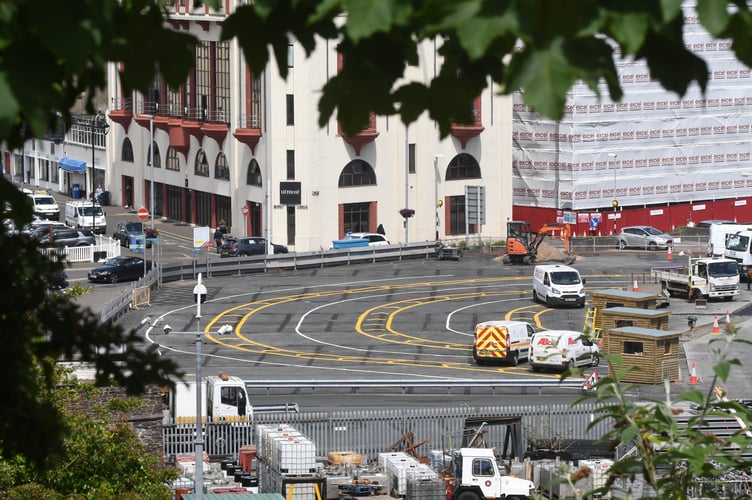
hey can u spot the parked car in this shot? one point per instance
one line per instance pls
(61, 237)
(237, 247)
(374, 239)
(124, 231)
(644, 237)
(119, 269)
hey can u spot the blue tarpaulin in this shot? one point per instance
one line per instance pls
(71, 165)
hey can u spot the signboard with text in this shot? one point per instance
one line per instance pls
(289, 193)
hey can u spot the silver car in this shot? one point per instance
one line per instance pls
(644, 237)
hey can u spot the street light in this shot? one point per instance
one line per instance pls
(98, 123)
(614, 202)
(437, 203)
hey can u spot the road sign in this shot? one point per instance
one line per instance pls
(245, 209)
(142, 213)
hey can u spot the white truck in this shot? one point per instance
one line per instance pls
(718, 234)
(738, 247)
(477, 477)
(701, 278)
(223, 397)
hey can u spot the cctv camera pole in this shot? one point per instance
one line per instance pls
(199, 443)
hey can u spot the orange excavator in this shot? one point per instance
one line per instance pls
(523, 242)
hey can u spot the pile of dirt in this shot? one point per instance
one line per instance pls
(549, 253)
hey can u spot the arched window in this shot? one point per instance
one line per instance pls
(202, 166)
(127, 153)
(157, 158)
(173, 162)
(221, 169)
(357, 173)
(463, 166)
(253, 174)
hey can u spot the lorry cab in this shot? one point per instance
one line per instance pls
(557, 284)
(738, 249)
(507, 341)
(477, 476)
(226, 397)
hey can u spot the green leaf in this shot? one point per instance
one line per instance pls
(366, 17)
(722, 369)
(713, 15)
(545, 76)
(630, 30)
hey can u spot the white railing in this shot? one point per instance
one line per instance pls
(105, 248)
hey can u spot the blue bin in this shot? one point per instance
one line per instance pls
(76, 191)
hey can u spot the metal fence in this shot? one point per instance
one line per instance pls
(105, 248)
(189, 269)
(370, 432)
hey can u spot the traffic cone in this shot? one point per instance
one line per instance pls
(635, 288)
(728, 317)
(693, 374)
(716, 330)
(669, 255)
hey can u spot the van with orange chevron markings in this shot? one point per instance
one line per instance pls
(505, 341)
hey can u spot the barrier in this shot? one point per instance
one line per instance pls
(140, 297)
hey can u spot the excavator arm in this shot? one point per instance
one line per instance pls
(565, 231)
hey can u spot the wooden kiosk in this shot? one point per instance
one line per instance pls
(615, 297)
(619, 317)
(654, 353)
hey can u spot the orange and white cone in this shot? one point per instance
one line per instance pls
(693, 374)
(635, 288)
(716, 330)
(669, 255)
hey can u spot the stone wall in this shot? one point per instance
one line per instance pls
(143, 414)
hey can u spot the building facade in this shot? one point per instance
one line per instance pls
(246, 151)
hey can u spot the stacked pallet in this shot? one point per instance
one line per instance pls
(408, 478)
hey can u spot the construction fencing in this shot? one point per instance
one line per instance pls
(370, 432)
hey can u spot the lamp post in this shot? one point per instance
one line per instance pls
(200, 293)
(98, 122)
(436, 201)
(614, 202)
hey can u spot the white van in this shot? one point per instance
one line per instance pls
(557, 284)
(562, 350)
(45, 206)
(507, 341)
(85, 215)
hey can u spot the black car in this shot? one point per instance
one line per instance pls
(127, 230)
(236, 247)
(120, 269)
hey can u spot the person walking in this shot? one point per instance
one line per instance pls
(218, 237)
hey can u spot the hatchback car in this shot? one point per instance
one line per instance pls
(374, 239)
(238, 247)
(644, 237)
(67, 237)
(127, 230)
(119, 269)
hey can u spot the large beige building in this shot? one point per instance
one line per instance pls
(247, 150)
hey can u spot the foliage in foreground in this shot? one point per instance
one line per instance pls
(99, 459)
(675, 457)
(38, 329)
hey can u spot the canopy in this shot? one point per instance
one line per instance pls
(71, 165)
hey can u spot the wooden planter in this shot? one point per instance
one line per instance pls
(615, 297)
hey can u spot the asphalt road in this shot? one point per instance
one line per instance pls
(408, 320)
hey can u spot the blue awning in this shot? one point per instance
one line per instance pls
(71, 165)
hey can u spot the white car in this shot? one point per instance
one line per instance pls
(374, 239)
